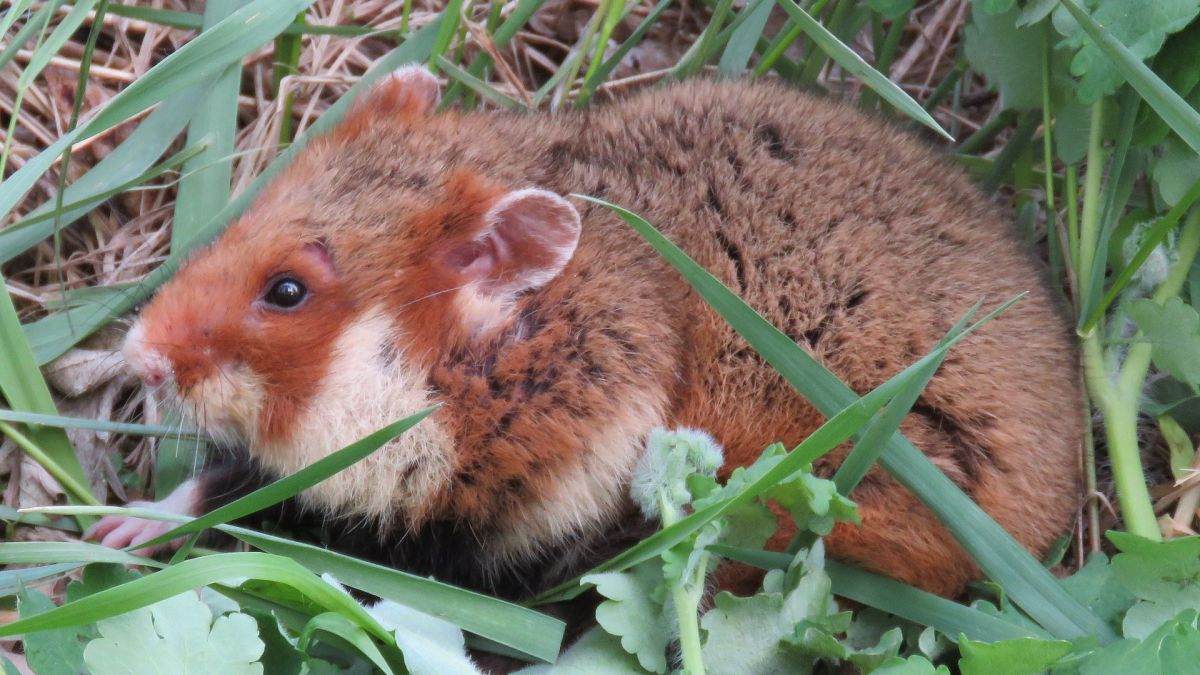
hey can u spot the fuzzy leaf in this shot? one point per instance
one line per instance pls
(1174, 330)
(746, 636)
(179, 631)
(431, 646)
(632, 614)
(1141, 26)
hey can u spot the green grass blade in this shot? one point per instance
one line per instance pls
(1183, 119)
(41, 552)
(504, 34)
(855, 65)
(162, 17)
(12, 581)
(100, 183)
(893, 597)
(191, 574)
(25, 33)
(48, 49)
(1154, 236)
(341, 628)
(745, 37)
(24, 388)
(104, 426)
(1004, 560)
(54, 335)
(478, 86)
(15, 10)
(245, 31)
(294, 484)
(205, 185)
(520, 628)
(450, 20)
(594, 78)
(525, 630)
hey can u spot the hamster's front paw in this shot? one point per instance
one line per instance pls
(122, 531)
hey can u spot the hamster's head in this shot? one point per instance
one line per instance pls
(315, 317)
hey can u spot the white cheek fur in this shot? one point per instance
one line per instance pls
(358, 396)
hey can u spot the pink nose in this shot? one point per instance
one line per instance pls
(153, 375)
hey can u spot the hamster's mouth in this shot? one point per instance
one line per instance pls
(227, 406)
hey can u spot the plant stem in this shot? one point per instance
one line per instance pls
(685, 595)
(1048, 160)
(79, 492)
(1089, 229)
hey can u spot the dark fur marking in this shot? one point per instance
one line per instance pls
(714, 202)
(735, 255)
(772, 140)
(856, 298)
(970, 454)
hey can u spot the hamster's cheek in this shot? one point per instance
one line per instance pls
(227, 405)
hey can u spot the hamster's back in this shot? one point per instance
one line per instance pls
(865, 247)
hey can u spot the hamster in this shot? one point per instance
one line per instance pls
(411, 258)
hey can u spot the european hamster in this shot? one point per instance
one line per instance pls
(410, 258)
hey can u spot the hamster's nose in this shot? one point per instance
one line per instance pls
(149, 364)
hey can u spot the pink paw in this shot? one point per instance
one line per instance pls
(122, 531)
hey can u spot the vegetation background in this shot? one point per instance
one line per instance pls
(134, 131)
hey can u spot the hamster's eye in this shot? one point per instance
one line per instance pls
(286, 293)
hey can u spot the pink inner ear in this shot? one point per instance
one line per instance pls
(318, 252)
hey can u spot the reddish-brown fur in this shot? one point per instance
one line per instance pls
(858, 241)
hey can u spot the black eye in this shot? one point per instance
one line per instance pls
(286, 293)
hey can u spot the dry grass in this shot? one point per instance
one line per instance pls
(126, 237)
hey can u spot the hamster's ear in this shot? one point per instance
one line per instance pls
(411, 91)
(527, 239)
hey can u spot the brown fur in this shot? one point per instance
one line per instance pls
(858, 241)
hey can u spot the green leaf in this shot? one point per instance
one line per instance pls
(1174, 330)
(279, 654)
(1011, 58)
(431, 645)
(1165, 577)
(178, 633)
(745, 636)
(1144, 34)
(346, 631)
(596, 653)
(1023, 656)
(854, 64)
(1034, 11)
(52, 652)
(913, 665)
(1175, 171)
(1095, 586)
(631, 613)
(891, 9)
(99, 577)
